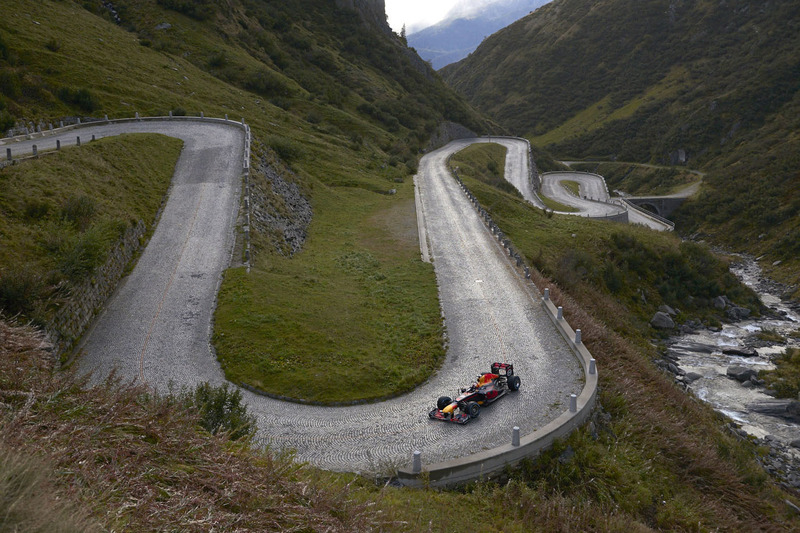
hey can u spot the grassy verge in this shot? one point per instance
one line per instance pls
(638, 179)
(785, 379)
(572, 186)
(289, 329)
(61, 214)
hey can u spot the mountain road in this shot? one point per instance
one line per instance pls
(156, 327)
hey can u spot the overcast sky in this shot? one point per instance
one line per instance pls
(416, 14)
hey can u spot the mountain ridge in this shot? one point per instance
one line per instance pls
(463, 28)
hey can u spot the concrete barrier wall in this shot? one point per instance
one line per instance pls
(487, 463)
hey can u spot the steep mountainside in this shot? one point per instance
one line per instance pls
(715, 85)
(463, 29)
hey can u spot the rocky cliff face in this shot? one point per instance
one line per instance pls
(372, 11)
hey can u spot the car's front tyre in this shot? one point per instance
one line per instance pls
(443, 402)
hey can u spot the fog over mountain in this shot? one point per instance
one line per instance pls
(465, 26)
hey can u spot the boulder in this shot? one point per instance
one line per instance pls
(743, 351)
(741, 373)
(667, 309)
(691, 377)
(662, 320)
(786, 409)
(720, 302)
(738, 313)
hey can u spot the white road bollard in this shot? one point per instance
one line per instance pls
(515, 436)
(35, 151)
(106, 118)
(58, 144)
(417, 467)
(226, 117)
(202, 115)
(93, 137)
(8, 154)
(79, 140)
(547, 294)
(577, 336)
(170, 114)
(560, 315)
(60, 123)
(573, 403)
(79, 120)
(137, 115)
(592, 367)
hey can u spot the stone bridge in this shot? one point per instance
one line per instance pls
(661, 205)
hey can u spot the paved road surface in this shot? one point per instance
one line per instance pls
(157, 325)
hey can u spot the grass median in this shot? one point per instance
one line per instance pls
(354, 316)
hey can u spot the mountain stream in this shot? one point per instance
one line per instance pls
(704, 357)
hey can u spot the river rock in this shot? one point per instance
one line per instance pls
(743, 351)
(786, 409)
(691, 377)
(738, 313)
(667, 309)
(795, 443)
(662, 320)
(740, 373)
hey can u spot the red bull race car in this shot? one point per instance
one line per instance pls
(489, 387)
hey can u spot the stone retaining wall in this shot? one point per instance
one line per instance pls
(88, 298)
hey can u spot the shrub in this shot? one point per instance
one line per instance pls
(267, 83)
(18, 290)
(221, 409)
(36, 209)
(79, 211)
(196, 9)
(785, 379)
(6, 121)
(82, 253)
(179, 112)
(54, 45)
(81, 98)
(287, 149)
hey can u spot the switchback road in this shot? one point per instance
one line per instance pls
(156, 328)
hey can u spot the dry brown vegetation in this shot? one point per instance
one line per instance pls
(136, 461)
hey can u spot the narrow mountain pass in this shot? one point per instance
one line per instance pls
(156, 328)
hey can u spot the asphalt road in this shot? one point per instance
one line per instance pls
(156, 327)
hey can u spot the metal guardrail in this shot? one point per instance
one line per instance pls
(488, 462)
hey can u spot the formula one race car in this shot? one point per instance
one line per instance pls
(489, 388)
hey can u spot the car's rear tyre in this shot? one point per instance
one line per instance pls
(443, 402)
(513, 383)
(473, 409)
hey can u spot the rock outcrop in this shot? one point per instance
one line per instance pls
(372, 11)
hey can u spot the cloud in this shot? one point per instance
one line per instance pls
(417, 14)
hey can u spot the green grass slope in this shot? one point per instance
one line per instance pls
(653, 81)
